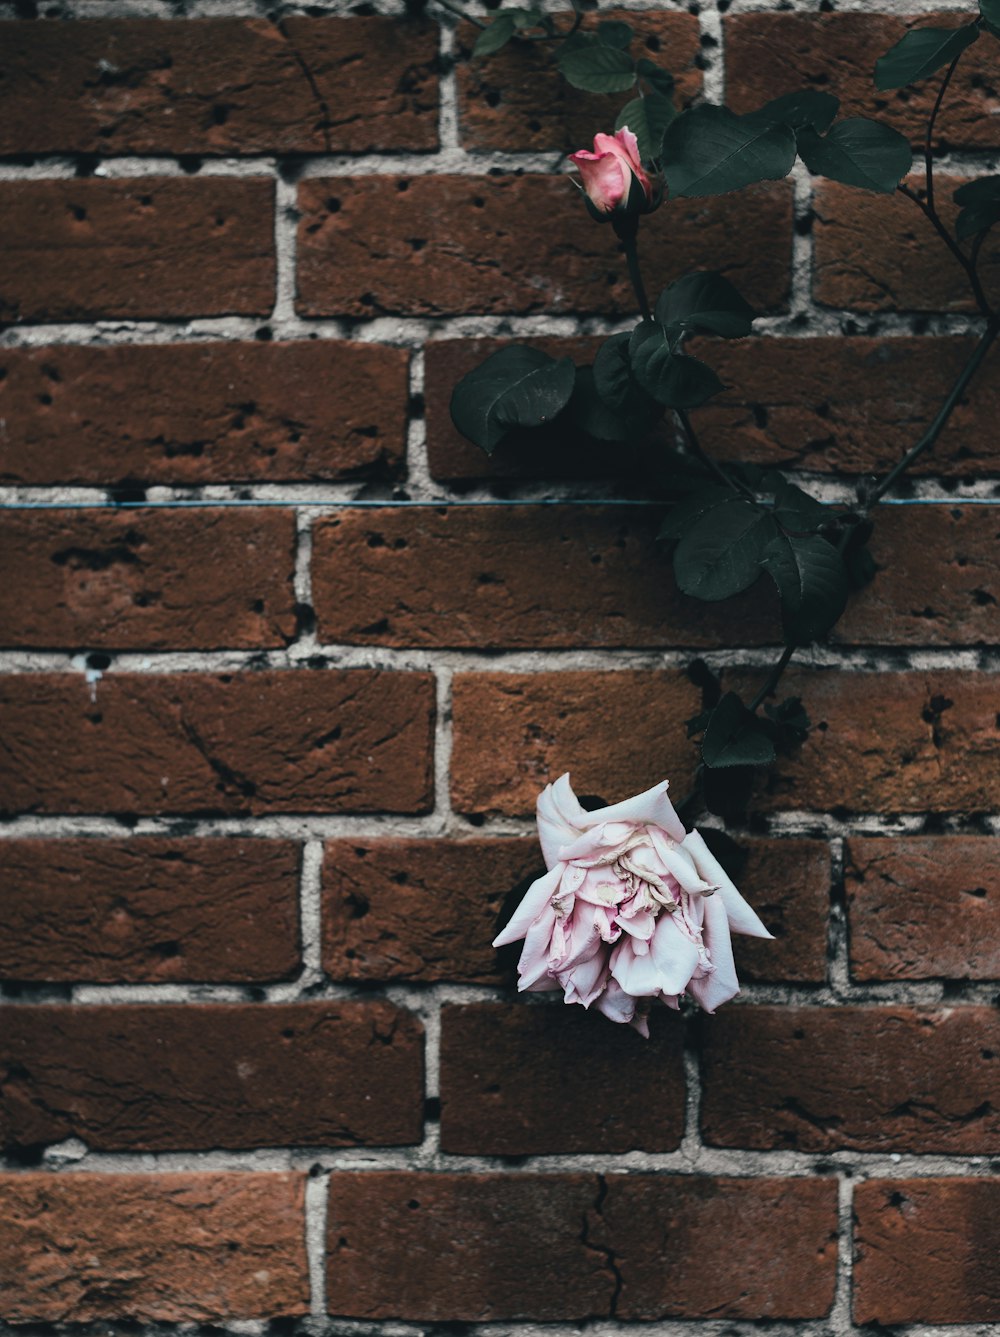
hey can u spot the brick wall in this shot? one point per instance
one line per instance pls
(269, 756)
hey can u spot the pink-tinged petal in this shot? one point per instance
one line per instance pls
(587, 980)
(651, 808)
(534, 962)
(640, 1023)
(615, 1003)
(598, 844)
(637, 975)
(535, 900)
(720, 984)
(630, 146)
(584, 939)
(626, 147)
(606, 178)
(674, 955)
(600, 886)
(571, 810)
(742, 919)
(640, 925)
(677, 861)
(553, 829)
(671, 1000)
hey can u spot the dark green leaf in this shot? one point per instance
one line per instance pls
(808, 110)
(527, 18)
(981, 201)
(858, 152)
(720, 554)
(647, 117)
(920, 53)
(631, 419)
(735, 737)
(673, 379)
(796, 510)
(686, 514)
(707, 303)
(613, 33)
(516, 387)
(597, 68)
(613, 378)
(497, 35)
(708, 151)
(985, 190)
(661, 80)
(812, 583)
(990, 10)
(697, 723)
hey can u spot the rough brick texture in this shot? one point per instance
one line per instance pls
(202, 413)
(182, 1248)
(423, 910)
(521, 1081)
(879, 253)
(517, 102)
(352, 741)
(426, 1246)
(926, 1251)
(923, 908)
(448, 245)
(219, 86)
(872, 1079)
(164, 1078)
(582, 576)
(770, 54)
(151, 248)
(148, 910)
(148, 579)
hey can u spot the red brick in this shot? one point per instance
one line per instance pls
(770, 54)
(879, 253)
(849, 405)
(202, 413)
(772, 1245)
(470, 577)
(474, 1247)
(523, 1081)
(447, 245)
(516, 732)
(788, 884)
(926, 1251)
(154, 247)
(149, 909)
(418, 910)
(889, 742)
(163, 1078)
(333, 741)
(518, 101)
(924, 908)
(887, 1079)
(182, 1248)
(219, 86)
(148, 579)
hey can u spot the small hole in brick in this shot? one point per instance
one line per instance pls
(146, 200)
(99, 662)
(492, 97)
(653, 42)
(264, 334)
(78, 211)
(478, 202)
(413, 1204)
(403, 185)
(257, 606)
(220, 113)
(333, 205)
(45, 399)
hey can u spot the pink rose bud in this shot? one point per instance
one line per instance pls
(633, 908)
(613, 177)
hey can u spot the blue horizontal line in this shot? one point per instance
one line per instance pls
(195, 503)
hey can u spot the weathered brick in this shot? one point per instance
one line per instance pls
(865, 1078)
(148, 579)
(202, 413)
(523, 1081)
(923, 907)
(618, 732)
(517, 100)
(889, 742)
(770, 54)
(879, 252)
(153, 247)
(219, 86)
(333, 741)
(443, 245)
(179, 1248)
(148, 909)
(788, 884)
(772, 1243)
(470, 577)
(162, 1078)
(926, 1251)
(418, 910)
(475, 1247)
(848, 405)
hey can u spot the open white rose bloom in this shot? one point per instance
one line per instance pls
(632, 908)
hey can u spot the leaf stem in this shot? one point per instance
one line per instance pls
(772, 679)
(953, 246)
(630, 245)
(712, 465)
(929, 137)
(460, 12)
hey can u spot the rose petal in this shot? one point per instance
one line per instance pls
(535, 899)
(534, 962)
(674, 955)
(638, 975)
(587, 980)
(553, 830)
(742, 919)
(606, 178)
(651, 808)
(679, 862)
(720, 984)
(615, 1003)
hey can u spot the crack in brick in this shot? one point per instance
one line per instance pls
(605, 1250)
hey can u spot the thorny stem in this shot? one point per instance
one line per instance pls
(706, 459)
(772, 679)
(629, 239)
(929, 137)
